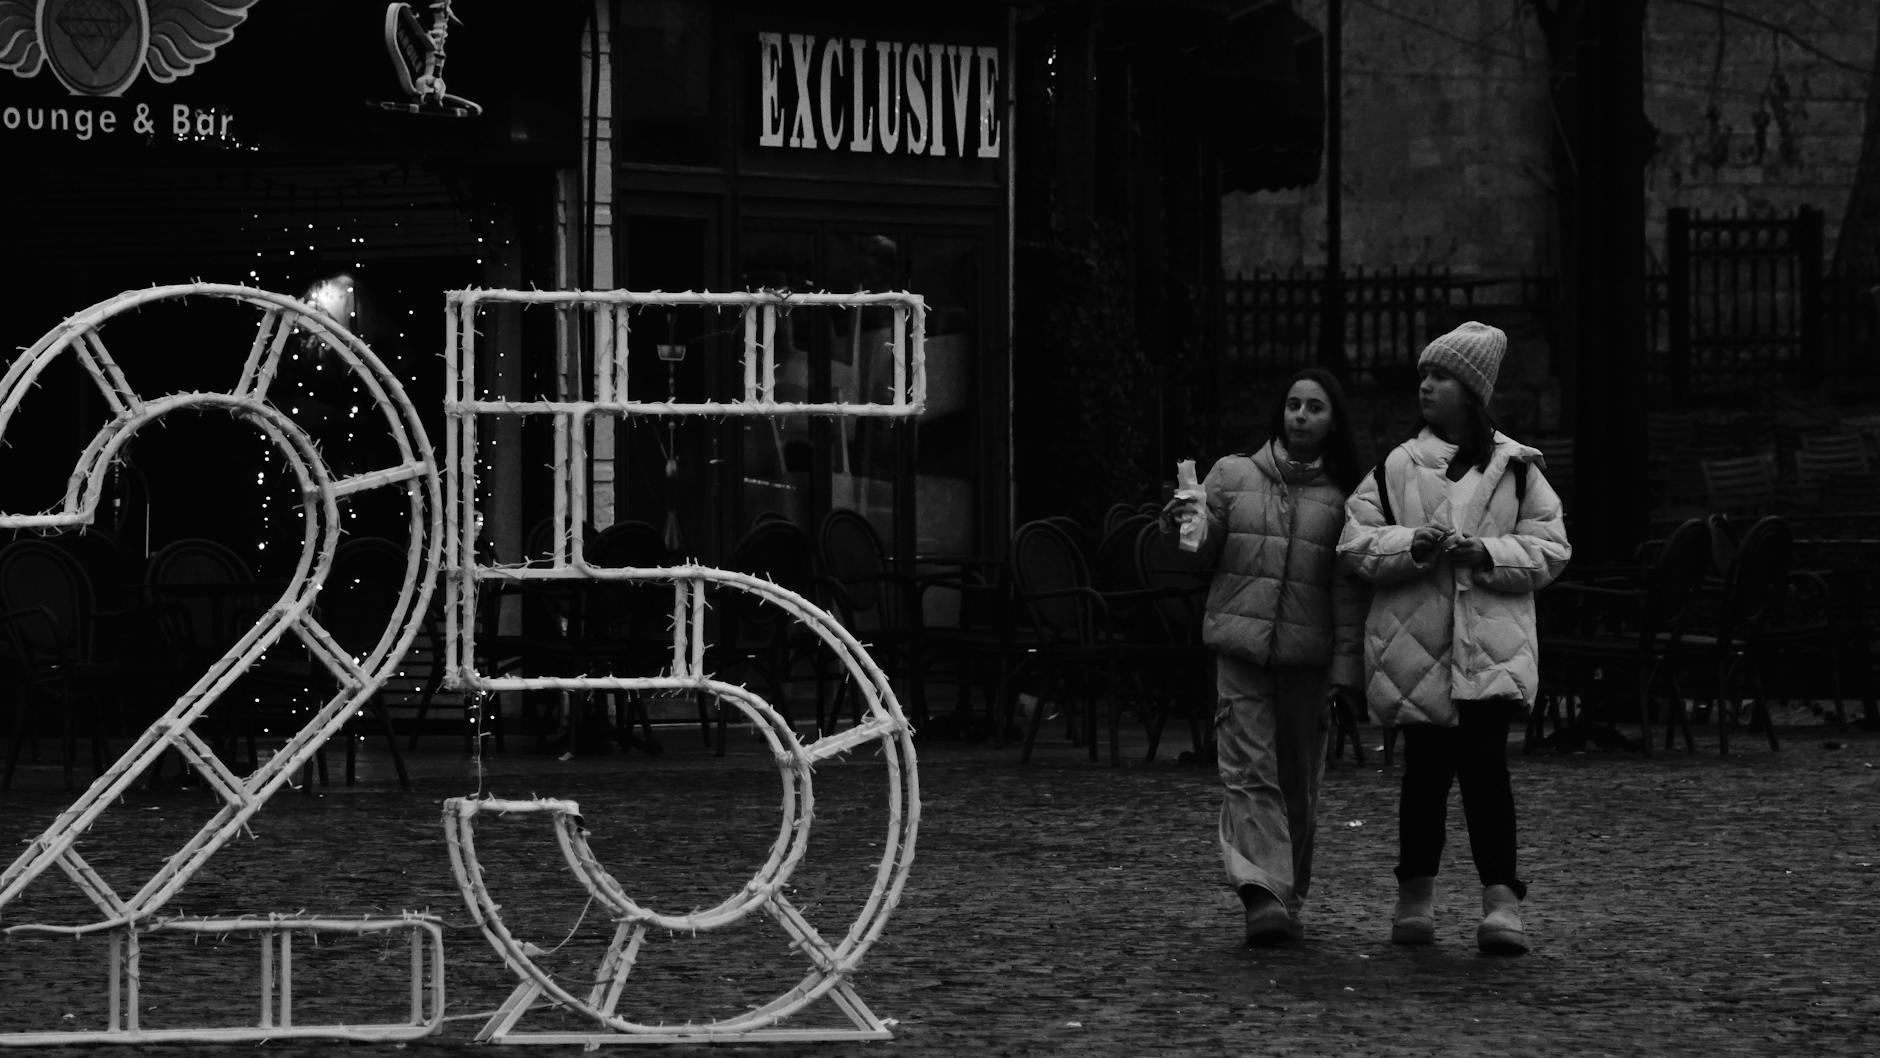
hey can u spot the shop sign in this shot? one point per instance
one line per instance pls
(863, 96)
(102, 77)
(98, 50)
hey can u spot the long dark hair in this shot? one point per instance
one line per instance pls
(1341, 447)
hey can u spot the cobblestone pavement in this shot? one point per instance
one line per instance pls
(1680, 905)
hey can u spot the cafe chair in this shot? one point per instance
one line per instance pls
(880, 605)
(51, 623)
(760, 643)
(1116, 514)
(551, 635)
(1180, 582)
(203, 597)
(1087, 646)
(1754, 622)
(1616, 638)
(354, 606)
(627, 630)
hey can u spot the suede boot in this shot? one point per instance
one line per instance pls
(1268, 921)
(1414, 922)
(1500, 932)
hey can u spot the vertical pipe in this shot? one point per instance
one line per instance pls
(466, 464)
(287, 979)
(451, 514)
(1678, 300)
(769, 392)
(115, 1002)
(750, 352)
(267, 980)
(697, 664)
(1332, 327)
(558, 539)
(622, 334)
(417, 976)
(577, 485)
(680, 626)
(133, 986)
(900, 354)
(603, 353)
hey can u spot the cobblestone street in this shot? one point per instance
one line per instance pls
(1680, 905)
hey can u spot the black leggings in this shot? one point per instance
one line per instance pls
(1474, 755)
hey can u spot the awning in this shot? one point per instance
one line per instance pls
(1266, 70)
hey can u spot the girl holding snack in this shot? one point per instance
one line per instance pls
(1284, 624)
(1455, 530)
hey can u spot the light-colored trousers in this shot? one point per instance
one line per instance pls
(1270, 729)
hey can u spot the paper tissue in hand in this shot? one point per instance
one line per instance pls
(1194, 530)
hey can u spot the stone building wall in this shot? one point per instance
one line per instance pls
(1445, 157)
(1757, 110)
(1757, 117)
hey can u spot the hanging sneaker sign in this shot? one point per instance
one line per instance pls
(417, 54)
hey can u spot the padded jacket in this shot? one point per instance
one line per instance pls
(1438, 633)
(1278, 596)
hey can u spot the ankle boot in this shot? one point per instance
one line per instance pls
(1414, 922)
(1268, 921)
(1500, 932)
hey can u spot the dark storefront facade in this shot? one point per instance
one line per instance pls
(270, 146)
(1046, 176)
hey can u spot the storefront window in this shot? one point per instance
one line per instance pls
(802, 467)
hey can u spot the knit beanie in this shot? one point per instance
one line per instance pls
(1472, 353)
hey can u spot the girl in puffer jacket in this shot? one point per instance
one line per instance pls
(1284, 622)
(1456, 530)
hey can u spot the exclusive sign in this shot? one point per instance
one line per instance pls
(865, 96)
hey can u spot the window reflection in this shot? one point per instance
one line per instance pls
(801, 467)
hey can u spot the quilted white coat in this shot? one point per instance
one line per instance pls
(1438, 633)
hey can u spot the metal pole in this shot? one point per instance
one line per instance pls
(1332, 310)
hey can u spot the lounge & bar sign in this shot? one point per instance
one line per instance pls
(849, 94)
(96, 49)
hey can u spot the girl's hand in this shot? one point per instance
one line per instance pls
(1425, 540)
(1468, 551)
(1179, 512)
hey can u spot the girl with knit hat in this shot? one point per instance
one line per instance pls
(1456, 530)
(1285, 625)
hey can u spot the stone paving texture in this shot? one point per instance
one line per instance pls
(1680, 905)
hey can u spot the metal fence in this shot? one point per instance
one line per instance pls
(1274, 319)
(1746, 323)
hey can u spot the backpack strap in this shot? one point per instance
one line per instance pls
(1520, 482)
(1383, 490)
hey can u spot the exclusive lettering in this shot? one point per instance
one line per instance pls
(864, 140)
(802, 128)
(837, 96)
(960, 72)
(916, 99)
(936, 65)
(770, 104)
(888, 101)
(832, 57)
(989, 108)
